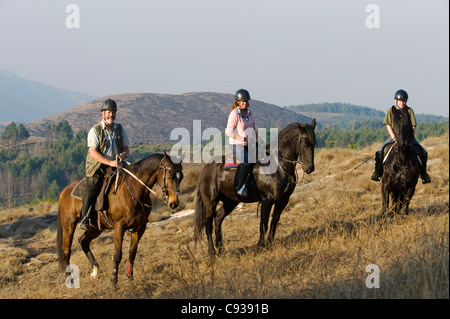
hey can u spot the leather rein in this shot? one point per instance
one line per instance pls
(165, 190)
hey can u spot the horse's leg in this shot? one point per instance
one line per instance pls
(265, 213)
(406, 200)
(67, 239)
(397, 202)
(85, 241)
(135, 238)
(384, 199)
(67, 219)
(279, 206)
(209, 231)
(228, 207)
(119, 231)
(210, 213)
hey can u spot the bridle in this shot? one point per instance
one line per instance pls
(164, 188)
(299, 160)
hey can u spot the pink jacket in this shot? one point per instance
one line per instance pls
(239, 126)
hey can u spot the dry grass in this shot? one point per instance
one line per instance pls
(328, 234)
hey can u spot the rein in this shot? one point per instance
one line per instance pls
(143, 184)
(295, 162)
(296, 181)
(158, 196)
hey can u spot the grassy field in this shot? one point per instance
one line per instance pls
(327, 236)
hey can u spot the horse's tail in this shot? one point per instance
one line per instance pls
(59, 239)
(199, 216)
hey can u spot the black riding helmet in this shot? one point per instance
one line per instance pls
(109, 105)
(401, 95)
(242, 95)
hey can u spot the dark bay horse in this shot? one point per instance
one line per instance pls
(128, 209)
(296, 144)
(401, 168)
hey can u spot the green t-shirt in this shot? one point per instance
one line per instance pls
(388, 118)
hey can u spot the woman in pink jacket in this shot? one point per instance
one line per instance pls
(240, 129)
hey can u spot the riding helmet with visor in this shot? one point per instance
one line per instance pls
(242, 95)
(401, 95)
(109, 105)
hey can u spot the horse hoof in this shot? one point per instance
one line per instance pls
(114, 281)
(220, 251)
(114, 277)
(262, 244)
(94, 272)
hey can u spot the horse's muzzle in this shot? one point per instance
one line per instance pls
(173, 205)
(308, 170)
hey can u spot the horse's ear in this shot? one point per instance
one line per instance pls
(165, 155)
(181, 158)
(313, 123)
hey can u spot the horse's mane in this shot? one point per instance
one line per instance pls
(291, 131)
(150, 162)
(401, 119)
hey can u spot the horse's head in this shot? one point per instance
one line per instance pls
(169, 178)
(306, 144)
(402, 126)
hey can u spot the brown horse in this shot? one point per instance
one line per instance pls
(401, 169)
(128, 209)
(296, 144)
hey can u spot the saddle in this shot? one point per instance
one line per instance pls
(235, 164)
(101, 204)
(386, 152)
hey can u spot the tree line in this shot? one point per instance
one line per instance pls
(33, 173)
(40, 172)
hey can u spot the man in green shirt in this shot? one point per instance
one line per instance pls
(106, 141)
(400, 98)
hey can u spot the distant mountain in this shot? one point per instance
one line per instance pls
(24, 100)
(350, 116)
(150, 118)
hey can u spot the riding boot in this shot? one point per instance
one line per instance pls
(85, 217)
(87, 205)
(378, 167)
(93, 186)
(244, 170)
(423, 171)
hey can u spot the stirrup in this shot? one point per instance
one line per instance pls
(427, 179)
(85, 222)
(375, 177)
(85, 225)
(243, 191)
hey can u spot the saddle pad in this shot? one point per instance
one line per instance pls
(78, 190)
(231, 164)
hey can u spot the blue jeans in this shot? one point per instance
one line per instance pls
(390, 140)
(241, 152)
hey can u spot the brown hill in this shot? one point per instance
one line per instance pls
(150, 117)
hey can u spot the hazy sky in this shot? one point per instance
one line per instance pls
(284, 52)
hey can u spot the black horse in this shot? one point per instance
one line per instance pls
(296, 144)
(401, 168)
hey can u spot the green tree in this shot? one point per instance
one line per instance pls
(14, 133)
(52, 192)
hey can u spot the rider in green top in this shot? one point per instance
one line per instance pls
(400, 98)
